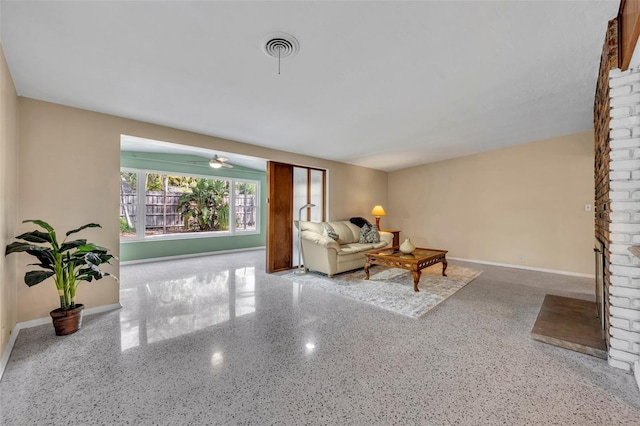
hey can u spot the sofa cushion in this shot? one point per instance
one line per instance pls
(381, 244)
(355, 248)
(358, 247)
(348, 232)
(320, 240)
(316, 227)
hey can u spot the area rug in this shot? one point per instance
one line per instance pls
(391, 288)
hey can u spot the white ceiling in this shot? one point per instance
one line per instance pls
(385, 85)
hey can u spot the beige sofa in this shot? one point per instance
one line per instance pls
(322, 253)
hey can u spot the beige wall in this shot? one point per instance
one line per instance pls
(8, 199)
(69, 175)
(527, 200)
(521, 201)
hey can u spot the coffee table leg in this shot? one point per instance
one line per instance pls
(366, 270)
(444, 267)
(416, 278)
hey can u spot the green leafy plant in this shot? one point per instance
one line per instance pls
(67, 262)
(205, 208)
(124, 226)
(223, 217)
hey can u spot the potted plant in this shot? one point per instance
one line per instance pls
(68, 262)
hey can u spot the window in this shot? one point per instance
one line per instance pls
(246, 211)
(309, 187)
(128, 203)
(176, 205)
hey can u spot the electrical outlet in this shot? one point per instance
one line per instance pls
(521, 258)
(587, 207)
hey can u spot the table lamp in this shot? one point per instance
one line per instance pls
(377, 212)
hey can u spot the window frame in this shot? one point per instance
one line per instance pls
(140, 223)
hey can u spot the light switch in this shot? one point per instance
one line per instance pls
(587, 207)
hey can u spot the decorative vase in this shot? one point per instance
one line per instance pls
(407, 247)
(67, 321)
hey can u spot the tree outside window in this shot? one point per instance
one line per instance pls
(205, 206)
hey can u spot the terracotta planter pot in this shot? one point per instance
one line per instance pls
(67, 321)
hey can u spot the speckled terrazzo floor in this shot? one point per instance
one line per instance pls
(215, 341)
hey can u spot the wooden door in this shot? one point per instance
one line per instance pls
(279, 216)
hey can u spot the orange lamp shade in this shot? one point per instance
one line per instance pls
(377, 212)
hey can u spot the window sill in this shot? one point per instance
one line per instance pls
(186, 236)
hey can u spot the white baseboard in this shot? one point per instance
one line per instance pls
(530, 268)
(186, 256)
(7, 350)
(101, 309)
(41, 321)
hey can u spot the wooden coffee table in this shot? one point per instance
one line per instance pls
(415, 262)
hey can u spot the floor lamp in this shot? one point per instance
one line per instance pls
(301, 270)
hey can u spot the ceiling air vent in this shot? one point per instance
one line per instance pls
(280, 45)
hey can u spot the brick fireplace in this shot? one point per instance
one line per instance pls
(617, 203)
(624, 216)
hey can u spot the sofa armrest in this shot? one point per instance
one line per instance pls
(386, 237)
(321, 240)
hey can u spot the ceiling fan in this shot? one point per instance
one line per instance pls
(218, 162)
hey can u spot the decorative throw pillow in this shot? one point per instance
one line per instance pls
(369, 234)
(364, 229)
(359, 221)
(330, 232)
